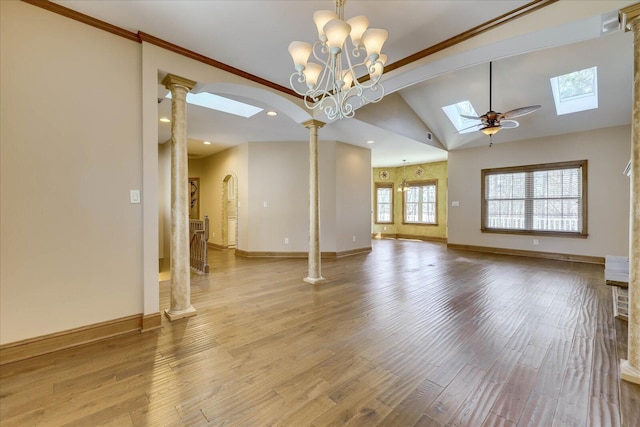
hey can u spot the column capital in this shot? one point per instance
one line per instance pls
(313, 123)
(171, 80)
(629, 17)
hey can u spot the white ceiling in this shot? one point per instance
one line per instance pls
(253, 36)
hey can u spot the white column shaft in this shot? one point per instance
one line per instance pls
(315, 275)
(180, 266)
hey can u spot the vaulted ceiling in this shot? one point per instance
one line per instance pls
(409, 123)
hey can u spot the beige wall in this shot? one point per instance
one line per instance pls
(212, 171)
(70, 123)
(278, 176)
(276, 173)
(432, 171)
(164, 200)
(607, 151)
(79, 130)
(353, 197)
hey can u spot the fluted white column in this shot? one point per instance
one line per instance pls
(315, 275)
(630, 368)
(180, 268)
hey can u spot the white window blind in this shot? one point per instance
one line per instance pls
(542, 198)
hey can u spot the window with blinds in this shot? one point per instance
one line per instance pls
(384, 203)
(420, 203)
(537, 199)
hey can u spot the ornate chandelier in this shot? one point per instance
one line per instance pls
(334, 82)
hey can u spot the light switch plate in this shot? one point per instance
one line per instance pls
(134, 196)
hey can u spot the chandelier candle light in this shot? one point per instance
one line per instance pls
(334, 82)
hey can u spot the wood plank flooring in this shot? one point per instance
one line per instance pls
(412, 334)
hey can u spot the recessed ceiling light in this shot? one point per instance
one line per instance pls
(272, 113)
(370, 141)
(165, 120)
(207, 143)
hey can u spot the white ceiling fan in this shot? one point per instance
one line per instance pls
(491, 122)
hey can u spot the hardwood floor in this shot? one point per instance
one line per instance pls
(411, 334)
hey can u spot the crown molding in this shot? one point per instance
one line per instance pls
(85, 19)
(144, 37)
(459, 38)
(628, 14)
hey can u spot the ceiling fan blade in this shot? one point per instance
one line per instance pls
(470, 127)
(520, 111)
(509, 124)
(470, 117)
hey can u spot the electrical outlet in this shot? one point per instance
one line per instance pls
(286, 240)
(536, 242)
(264, 203)
(384, 228)
(354, 238)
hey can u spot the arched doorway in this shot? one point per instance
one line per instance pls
(230, 211)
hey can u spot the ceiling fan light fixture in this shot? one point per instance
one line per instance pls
(493, 121)
(490, 130)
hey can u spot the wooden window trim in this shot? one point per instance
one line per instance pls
(375, 213)
(583, 164)
(433, 182)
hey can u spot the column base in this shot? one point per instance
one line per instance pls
(179, 314)
(628, 372)
(313, 280)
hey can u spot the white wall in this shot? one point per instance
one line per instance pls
(278, 176)
(353, 197)
(607, 151)
(278, 173)
(70, 123)
(164, 200)
(327, 196)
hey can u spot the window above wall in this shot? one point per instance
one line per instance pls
(454, 113)
(546, 199)
(576, 91)
(220, 103)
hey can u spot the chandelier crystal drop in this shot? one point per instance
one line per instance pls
(339, 76)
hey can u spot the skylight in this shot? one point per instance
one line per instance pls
(462, 124)
(219, 103)
(577, 91)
